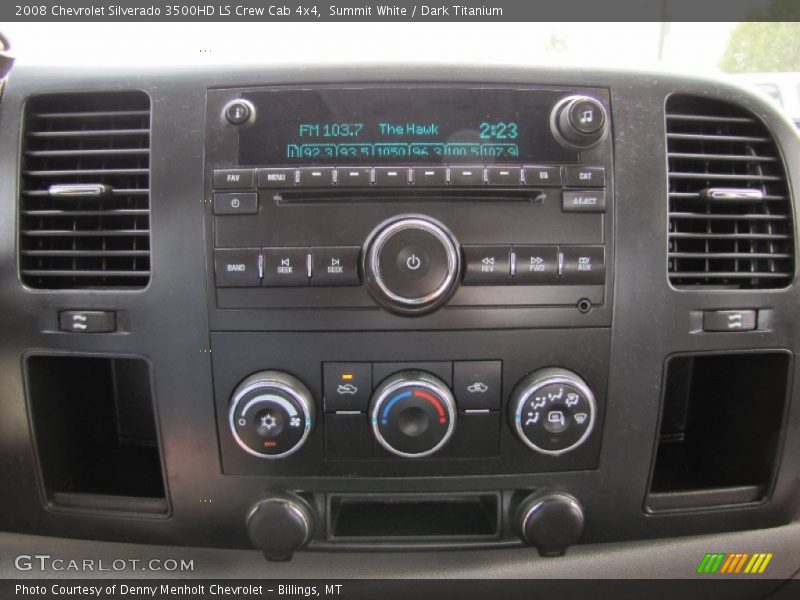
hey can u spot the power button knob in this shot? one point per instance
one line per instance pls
(411, 264)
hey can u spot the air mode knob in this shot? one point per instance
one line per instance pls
(413, 414)
(279, 525)
(550, 521)
(271, 414)
(552, 411)
(578, 121)
(411, 264)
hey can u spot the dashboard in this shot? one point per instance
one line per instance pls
(395, 309)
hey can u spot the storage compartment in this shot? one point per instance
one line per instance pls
(95, 431)
(413, 517)
(720, 429)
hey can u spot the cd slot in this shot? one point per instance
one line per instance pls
(459, 195)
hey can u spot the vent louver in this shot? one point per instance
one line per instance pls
(730, 216)
(85, 198)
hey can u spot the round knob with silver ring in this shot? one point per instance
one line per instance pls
(239, 112)
(271, 414)
(578, 121)
(550, 521)
(413, 414)
(411, 264)
(552, 411)
(280, 524)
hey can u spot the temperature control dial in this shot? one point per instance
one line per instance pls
(413, 414)
(271, 414)
(552, 411)
(412, 264)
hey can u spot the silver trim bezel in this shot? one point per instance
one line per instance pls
(379, 240)
(285, 383)
(534, 386)
(413, 379)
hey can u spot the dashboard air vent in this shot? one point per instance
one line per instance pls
(730, 217)
(85, 197)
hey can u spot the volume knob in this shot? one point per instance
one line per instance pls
(412, 264)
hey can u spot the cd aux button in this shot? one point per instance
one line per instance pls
(583, 265)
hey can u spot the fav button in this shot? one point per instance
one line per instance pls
(234, 178)
(335, 266)
(285, 266)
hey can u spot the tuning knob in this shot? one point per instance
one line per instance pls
(271, 414)
(413, 414)
(550, 521)
(411, 264)
(578, 121)
(280, 525)
(552, 411)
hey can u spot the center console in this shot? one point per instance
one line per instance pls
(455, 242)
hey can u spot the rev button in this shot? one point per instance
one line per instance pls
(487, 265)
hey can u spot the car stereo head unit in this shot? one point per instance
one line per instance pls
(411, 198)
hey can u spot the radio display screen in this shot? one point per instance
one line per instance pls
(400, 125)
